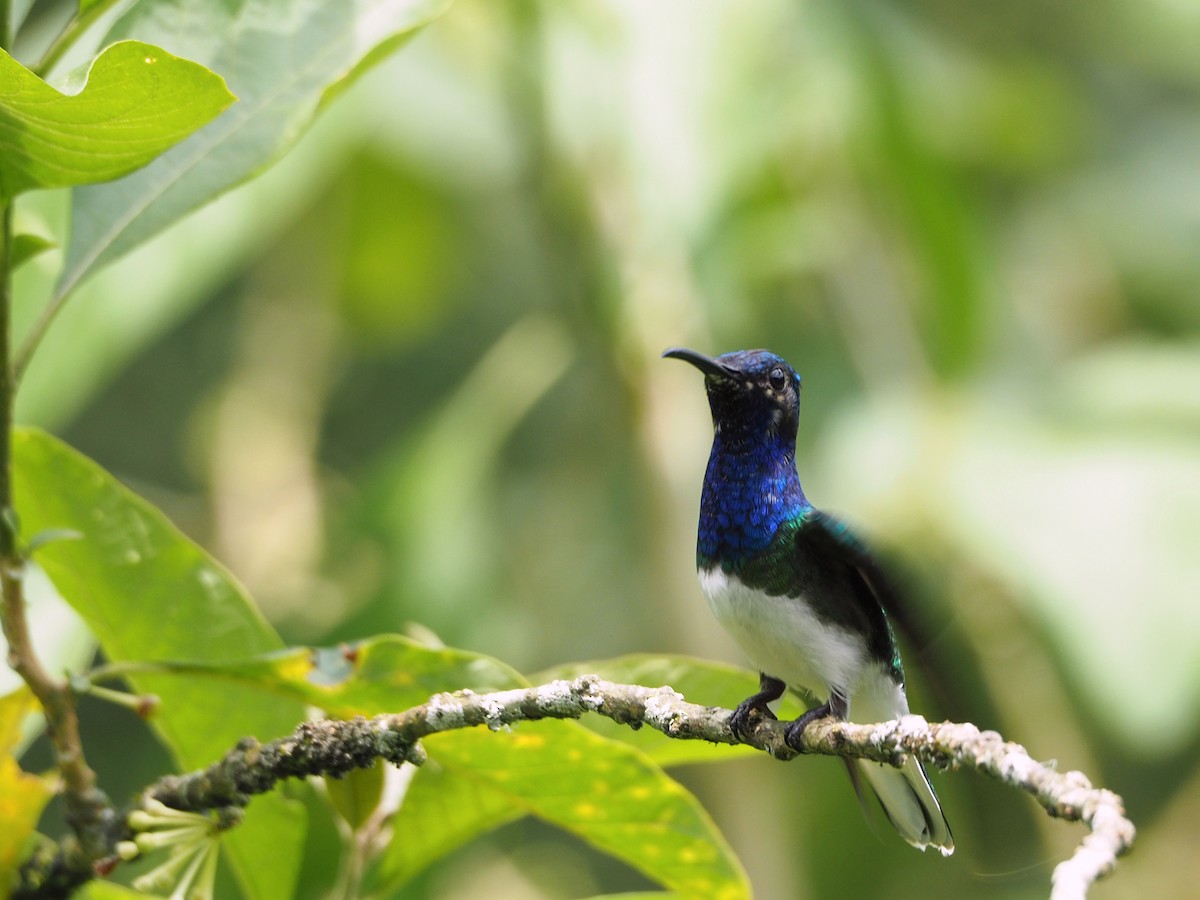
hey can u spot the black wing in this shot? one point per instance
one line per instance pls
(815, 556)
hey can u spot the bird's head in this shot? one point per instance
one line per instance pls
(753, 394)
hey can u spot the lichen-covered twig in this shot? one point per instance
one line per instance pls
(335, 747)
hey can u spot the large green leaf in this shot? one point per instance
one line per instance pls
(150, 593)
(281, 58)
(608, 794)
(138, 101)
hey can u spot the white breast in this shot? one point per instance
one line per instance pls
(784, 638)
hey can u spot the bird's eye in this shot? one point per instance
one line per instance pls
(777, 378)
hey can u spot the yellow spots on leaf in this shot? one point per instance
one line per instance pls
(294, 666)
(723, 890)
(696, 853)
(610, 797)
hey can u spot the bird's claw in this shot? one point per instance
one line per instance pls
(793, 732)
(741, 723)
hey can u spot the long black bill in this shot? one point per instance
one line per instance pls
(705, 364)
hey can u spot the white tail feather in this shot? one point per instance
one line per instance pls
(909, 802)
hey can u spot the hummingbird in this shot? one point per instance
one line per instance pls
(801, 595)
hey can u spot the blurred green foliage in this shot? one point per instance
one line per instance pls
(410, 375)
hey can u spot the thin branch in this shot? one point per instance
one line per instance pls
(86, 806)
(333, 747)
(88, 811)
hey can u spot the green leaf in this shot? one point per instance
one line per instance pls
(138, 101)
(391, 671)
(604, 792)
(283, 60)
(700, 681)
(150, 593)
(26, 246)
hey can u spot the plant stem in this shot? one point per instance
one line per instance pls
(7, 521)
(88, 811)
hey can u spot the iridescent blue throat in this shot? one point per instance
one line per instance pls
(750, 489)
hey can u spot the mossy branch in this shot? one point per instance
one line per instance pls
(333, 747)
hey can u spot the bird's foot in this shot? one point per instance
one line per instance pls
(793, 732)
(741, 722)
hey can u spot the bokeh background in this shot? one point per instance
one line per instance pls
(410, 378)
